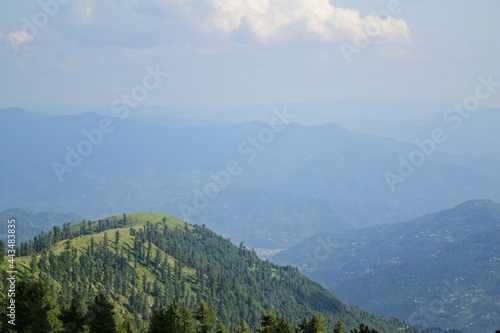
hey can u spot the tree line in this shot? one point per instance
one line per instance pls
(37, 312)
(145, 267)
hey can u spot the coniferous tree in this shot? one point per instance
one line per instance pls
(236, 292)
(221, 328)
(33, 265)
(3, 309)
(317, 324)
(73, 318)
(242, 327)
(187, 319)
(339, 327)
(105, 241)
(101, 316)
(166, 320)
(206, 318)
(303, 326)
(174, 322)
(268, 323)
(283, 326)
(117, 240)
(363, 329)
(128, 326)
(158, 321)
(36, 307)
(2, 250)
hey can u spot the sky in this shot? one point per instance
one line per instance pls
(226, 53)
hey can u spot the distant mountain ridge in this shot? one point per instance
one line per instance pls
(29, 225)
(137, 166)
(441, 269)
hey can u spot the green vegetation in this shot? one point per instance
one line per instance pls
(438, 270)
(137, 272)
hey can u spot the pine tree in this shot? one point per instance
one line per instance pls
(317, 324)
(187, 319)
(128, 326)
(363, 329)
(205, 317)
(173, 319)
(221, 328)
(339, 327)
(283, 326)
(117, 240)
(36, 307)
(105, 242)
(33, 265)
(158, 321)
(268, 323)
(73, 318)
(166, 320)
(303, 326)
(101, 316)
(2, 250)
(242, 327)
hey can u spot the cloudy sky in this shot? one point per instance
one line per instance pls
(221, 53)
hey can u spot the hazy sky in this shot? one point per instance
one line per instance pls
(234, 52)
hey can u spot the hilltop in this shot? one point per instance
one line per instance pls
(145, 261)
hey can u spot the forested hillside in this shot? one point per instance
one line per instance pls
(441, 269)
(142, 263)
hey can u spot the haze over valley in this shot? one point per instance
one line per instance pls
(223, 166)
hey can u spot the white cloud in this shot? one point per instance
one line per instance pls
(201, 23)
(80, 11)
(85, 11)
(244, 21)
(18, 37)
(283, 21)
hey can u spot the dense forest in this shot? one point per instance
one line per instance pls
(40, 314)
(441, 269)
(144, 273)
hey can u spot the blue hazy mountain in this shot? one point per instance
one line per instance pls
(284, 187)
(440, 269)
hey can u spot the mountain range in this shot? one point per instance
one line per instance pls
(286, 184)
(441, 269)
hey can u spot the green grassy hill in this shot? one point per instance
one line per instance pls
(145, 261)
